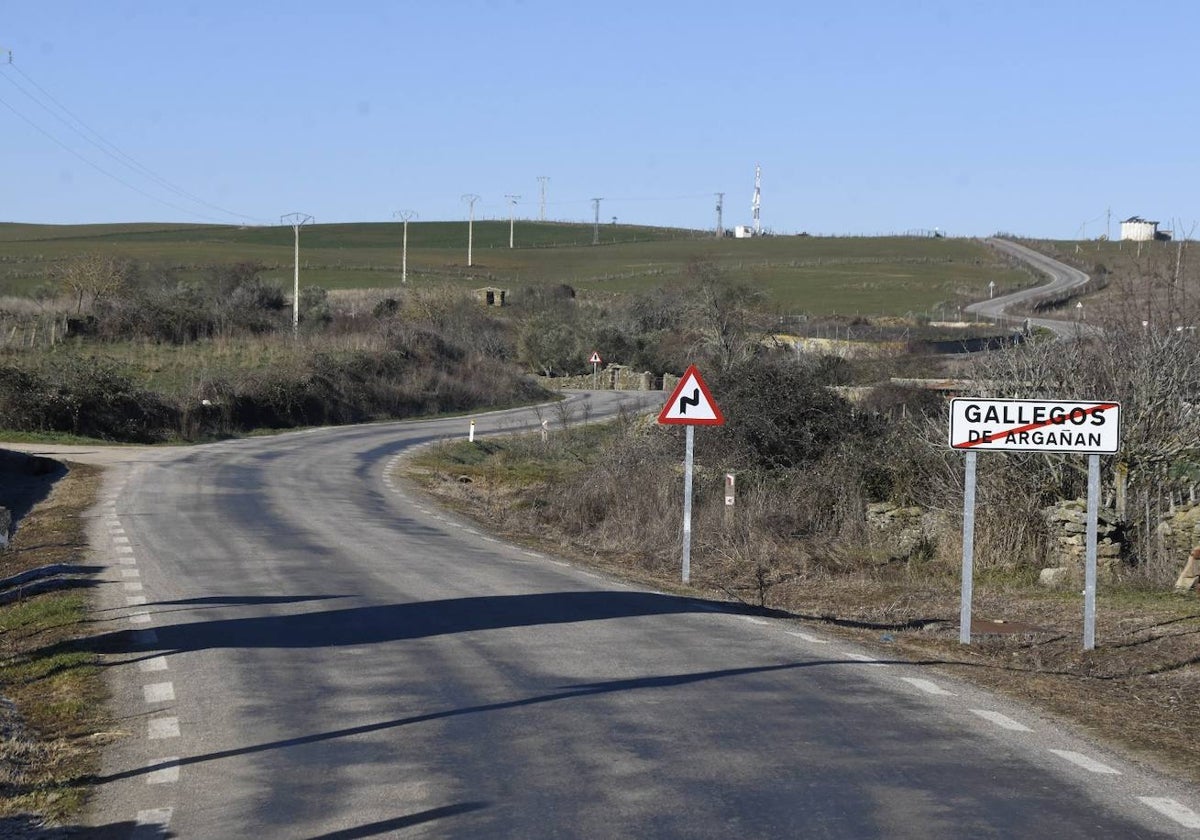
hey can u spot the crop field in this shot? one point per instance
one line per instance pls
(815, 275)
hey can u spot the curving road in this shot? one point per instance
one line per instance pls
(1062, 278)
(299, 647)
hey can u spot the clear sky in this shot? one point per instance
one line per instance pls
(867, 117)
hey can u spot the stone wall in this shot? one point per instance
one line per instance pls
(1066, 523)
(611, 378)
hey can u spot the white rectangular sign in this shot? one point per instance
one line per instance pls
(1035, 426)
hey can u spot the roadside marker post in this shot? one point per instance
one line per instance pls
(690, 404)
(1065, 426)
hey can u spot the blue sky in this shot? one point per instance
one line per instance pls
(867, 117)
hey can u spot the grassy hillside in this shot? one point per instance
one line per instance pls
(886, 275)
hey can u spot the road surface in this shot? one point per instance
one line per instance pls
(1062, 278)
(301, 648)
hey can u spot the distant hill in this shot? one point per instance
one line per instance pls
(849, 275)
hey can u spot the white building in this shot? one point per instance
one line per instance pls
(1137, 229)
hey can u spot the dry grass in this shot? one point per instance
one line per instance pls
(54, 707)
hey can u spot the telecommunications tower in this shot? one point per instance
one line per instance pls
(756, 205)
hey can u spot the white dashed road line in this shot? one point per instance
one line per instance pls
(130, 573)
(159, 692)
(145, 638)
(749, 619)
(1089, 764)
(132, 586)
(927, 686)
(154, 663)
(140, 618)
(151, 823)
(1003, 721)
(167, 772)
(158, 729)
(1182, 814)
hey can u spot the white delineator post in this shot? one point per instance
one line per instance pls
(471, 432)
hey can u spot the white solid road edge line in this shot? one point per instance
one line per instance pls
(811, 639)
(150, 821)
(1089, 764)
(1166, 806)
(1003, 721)
(862, 657)
(927, 686)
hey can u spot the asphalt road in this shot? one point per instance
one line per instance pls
(1062, 278)
(300, 648)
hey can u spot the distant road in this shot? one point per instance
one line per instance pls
(1062, 278)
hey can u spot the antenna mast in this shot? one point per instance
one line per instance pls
(542, 179)
(756, 205)
(720, 208)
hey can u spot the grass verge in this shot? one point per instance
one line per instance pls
(53, 716)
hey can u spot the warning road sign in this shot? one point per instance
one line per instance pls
(1035, 426)
(691, 403)
(595, 359)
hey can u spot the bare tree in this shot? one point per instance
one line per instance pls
(91, 278)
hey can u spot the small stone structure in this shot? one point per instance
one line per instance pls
(1067, 526)
(899, 531)
(491, 296)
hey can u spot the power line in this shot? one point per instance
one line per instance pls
(101, 169)
(111, 150)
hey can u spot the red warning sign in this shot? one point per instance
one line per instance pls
(691, 403)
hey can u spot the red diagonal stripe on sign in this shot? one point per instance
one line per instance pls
(1028, 427)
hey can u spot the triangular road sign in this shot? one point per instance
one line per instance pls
(595, 359)
(691, 403)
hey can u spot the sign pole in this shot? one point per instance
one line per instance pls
(691, 405)
(687, 504)
(968, 539)
(595, 376)
(1089, 585)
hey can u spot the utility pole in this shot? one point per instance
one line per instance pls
(720, 208)
(297, 221)
(470, 198)
(512, 209)
(596, 224)
(404, 215)
(542, 179)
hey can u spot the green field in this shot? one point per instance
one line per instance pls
(816, 275)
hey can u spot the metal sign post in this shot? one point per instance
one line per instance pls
(1089, 569)
(968, 538)
(595, 360)
(691, 405)
(1069, 426)
(686, 562)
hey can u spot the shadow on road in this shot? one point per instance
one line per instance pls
(24, 827)
(356, 626)
(384, 826)
(569, 692)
